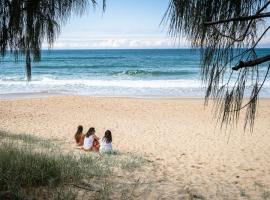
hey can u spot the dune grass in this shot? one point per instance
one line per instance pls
(24, 168)
(132, 161)
(26, 139)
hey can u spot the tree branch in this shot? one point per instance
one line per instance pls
(241, 18)
(240, 39)
(251, 63)
(262, 8)
(255, 95)
(253, 47)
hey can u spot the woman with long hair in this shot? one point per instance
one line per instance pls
(79, 136)
(106, 143)
(91, 142)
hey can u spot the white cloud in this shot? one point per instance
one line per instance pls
(128, 42)
(116, 43)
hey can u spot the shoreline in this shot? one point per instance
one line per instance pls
(39, 95)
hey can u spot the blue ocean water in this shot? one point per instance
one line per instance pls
(133, 72)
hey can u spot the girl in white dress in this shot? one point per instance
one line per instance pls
(106, 143)
(90, 142)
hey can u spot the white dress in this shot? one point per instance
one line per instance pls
(106, 147)
(88, 142)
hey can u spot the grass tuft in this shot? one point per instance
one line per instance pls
(23, 168)
(26, 169)
(26, 139)
(132, 161)
(266, 195)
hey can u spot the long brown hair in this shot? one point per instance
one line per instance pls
(108, 136)
(78, 133)
(90, 132)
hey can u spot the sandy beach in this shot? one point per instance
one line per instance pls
(178, 136)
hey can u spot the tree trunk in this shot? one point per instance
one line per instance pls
(28, 65)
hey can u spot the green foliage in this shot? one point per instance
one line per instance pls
(26, 139)
(62, 193)
(189, 17)
(131, 162)
(25, 24)
(266, 195)
(25, 165)
(22, 167)
(225, 37)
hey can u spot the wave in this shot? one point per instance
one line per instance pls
(104, 87)
(82, 66)
(82, 58)
(108, 83)
(170, 88)
(152, 73)
(91, 81)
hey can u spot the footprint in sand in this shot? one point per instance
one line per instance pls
(248, 169)
(194, 166)
(201, 163)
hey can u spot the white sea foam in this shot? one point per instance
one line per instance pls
(164, 88)
(109, 83)
(113, 73)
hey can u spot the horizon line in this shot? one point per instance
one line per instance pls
(180, 48)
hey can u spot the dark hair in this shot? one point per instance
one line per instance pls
(108, 136)
(78, 133)
(90, 132)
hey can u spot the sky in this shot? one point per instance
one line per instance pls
(125, 24)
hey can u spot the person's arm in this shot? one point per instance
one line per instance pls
(95, 137)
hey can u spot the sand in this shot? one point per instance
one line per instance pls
(178, 136)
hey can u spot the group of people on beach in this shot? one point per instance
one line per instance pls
(90, 142)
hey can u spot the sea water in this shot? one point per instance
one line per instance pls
(125, 72)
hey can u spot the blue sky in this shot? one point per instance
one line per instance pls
(125, 24)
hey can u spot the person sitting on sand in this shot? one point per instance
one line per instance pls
(91, 142)
(79, 136)
(106, 143)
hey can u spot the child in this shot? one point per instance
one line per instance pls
(91, 141)
(79, 136)
(106, 143)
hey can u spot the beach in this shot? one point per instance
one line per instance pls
(187, 150)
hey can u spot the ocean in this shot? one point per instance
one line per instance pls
(124, 73)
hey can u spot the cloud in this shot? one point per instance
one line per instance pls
(116, 43)
(128, 42)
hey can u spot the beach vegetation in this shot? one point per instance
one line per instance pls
(26, 139)
(132, 162)
(25, 25)
(28, 170)
(24, 168)
(266, 195)
(227, 34)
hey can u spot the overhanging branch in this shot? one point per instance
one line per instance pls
(251, 63)
(242, 18)
(255, 95)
